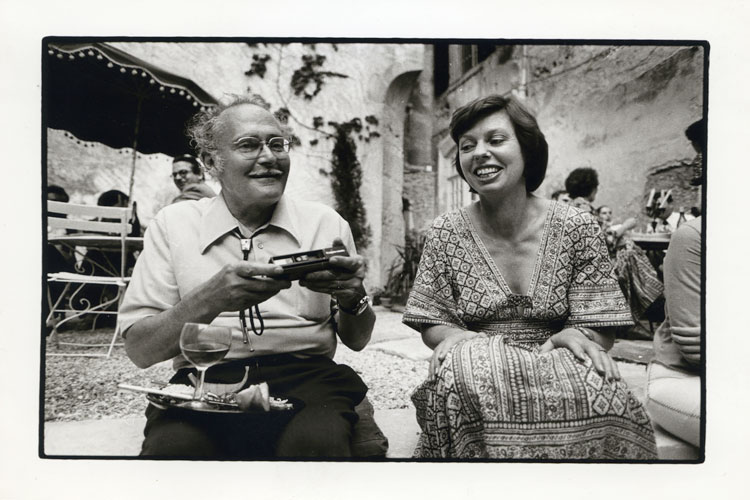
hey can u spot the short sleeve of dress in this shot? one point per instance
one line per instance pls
(594, 295)
(431, 301)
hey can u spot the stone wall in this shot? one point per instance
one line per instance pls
(619, 109)
(219, 68)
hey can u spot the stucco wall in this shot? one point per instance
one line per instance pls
(219, 68)
(619, 109)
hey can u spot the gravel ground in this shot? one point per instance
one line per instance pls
(81, 388)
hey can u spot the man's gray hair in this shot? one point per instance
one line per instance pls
(204, 128)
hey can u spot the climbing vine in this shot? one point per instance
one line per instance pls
(346, 179)
(345, 174)
(258, 66)
(308, 79)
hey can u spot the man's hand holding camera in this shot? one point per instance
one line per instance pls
(342, 279)
(244, 284)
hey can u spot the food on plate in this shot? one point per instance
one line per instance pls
(254, 397)
(179, 389)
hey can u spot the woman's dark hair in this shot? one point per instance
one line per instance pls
(581, 182)
(696, 133)
(59, 191)
(112, 198)
(533, 144)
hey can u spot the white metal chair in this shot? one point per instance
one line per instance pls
(98, 223)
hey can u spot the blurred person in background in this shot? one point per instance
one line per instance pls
(582, 185)
(673, 394)
(59, 258)
(636, 275)
(101, 262)
(561, 195)
(188, 176)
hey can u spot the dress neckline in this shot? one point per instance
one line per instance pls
(490, 262)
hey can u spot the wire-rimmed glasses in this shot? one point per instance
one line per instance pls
(252, 146)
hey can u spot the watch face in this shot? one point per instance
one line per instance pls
(359, 308)
(363, 304)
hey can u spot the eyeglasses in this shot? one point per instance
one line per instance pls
(181, 173)
(253, 145)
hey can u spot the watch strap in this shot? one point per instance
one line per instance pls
(357, 309)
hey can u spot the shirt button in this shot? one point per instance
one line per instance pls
(260, 244)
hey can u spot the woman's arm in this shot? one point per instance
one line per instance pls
(441, 339)
(433, 335)
(623, 228)
(585, 342)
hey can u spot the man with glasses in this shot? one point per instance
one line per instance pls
(189, 178)
(206, 261)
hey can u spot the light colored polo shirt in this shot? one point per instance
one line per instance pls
(189, 242)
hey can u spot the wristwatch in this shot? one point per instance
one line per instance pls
(359, 308)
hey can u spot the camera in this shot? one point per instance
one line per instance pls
(296, 265)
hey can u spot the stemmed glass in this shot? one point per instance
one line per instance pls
(204, 346)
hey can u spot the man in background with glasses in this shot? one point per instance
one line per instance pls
(206, 261)
(188, 176)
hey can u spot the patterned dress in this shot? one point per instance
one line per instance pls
(496, 396)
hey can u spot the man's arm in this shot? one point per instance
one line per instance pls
(343, 281)
(355, 331)
(682, 290)
(236, 286)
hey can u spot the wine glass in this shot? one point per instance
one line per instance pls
(204, 346)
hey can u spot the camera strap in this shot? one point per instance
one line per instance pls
(246, 245)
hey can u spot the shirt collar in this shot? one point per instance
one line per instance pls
(218, 220)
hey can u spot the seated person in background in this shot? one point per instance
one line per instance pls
(60, 258)
(192, 269)
(637, 277)
(188, 176)
(674, 387)
(561, 195)
(615, 234)
(99, 262)
(517, 298)
(696, 134)
(582, 184)
(673, 395)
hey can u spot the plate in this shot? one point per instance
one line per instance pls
(167, 402)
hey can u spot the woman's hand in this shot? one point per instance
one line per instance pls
(581, 347)
(444, 347)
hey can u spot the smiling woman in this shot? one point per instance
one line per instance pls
(518, 300)
(521, 125)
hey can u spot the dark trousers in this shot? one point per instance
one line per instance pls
(322, 428)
